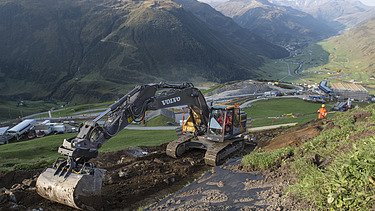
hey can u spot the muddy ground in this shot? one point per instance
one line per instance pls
(136, 180)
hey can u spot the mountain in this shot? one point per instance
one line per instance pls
(339, 13)
(275, 23)
(354, 51)
(93, 50)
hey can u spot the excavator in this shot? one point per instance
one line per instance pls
(74, 181)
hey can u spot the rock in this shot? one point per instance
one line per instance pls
(279, 208)
(122, 174)
(29, 182)
(275, 195)
(157, 160)
(170, 201)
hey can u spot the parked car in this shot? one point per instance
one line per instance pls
(315, 99)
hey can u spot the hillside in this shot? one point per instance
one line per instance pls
(275, 23)
(347, 57)
(94, 50)
(338, 13)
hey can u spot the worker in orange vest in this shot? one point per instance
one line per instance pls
(322, 112)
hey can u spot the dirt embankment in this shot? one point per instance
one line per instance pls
(130, 182)
(292, 137)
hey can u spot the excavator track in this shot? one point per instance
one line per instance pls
(178, 147)
(218, 152)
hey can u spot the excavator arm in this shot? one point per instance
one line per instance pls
(73, 179)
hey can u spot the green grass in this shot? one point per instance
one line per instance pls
(266, 160)
(70, 110)
(345, 184)
(343, 178)
(312, 55)
(337, 59)
(11, 110)
(275, 111)
(42, 152)
(159, 121)
(212, 88)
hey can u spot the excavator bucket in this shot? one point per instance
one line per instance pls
(81, 191)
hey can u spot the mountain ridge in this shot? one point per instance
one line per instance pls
(95, 50)
(275, 23)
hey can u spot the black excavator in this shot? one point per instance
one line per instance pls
(74, 181)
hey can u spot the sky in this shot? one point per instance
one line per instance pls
(369, 2)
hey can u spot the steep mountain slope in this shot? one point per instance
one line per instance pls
(354, 51)
(275, 23)
(93, 49)
(339, 13)
(225, 26)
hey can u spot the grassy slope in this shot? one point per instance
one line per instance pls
(42, 152)
(277, 109)
(10, 110)
(159, 121)
(70, 110)
(344, 183)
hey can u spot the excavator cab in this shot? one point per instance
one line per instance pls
(225, 123)
(224, 135)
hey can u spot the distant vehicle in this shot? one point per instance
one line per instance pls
(341, 106)
(43, 130)
(57, 128)
(315, 99)
(4, 137)
(22, 128)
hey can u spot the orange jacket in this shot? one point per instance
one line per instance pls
(322, 113)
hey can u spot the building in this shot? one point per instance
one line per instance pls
(350, 90)
(22, 128)
(323, 85)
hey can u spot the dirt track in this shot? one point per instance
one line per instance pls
(133, 181)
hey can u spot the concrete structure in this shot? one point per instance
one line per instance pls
(350, 90)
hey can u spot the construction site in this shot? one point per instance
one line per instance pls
(217, 160)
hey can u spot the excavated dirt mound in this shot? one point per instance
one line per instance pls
(132, 179)
(292, 137)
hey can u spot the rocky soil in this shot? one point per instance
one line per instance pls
(144, 177)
